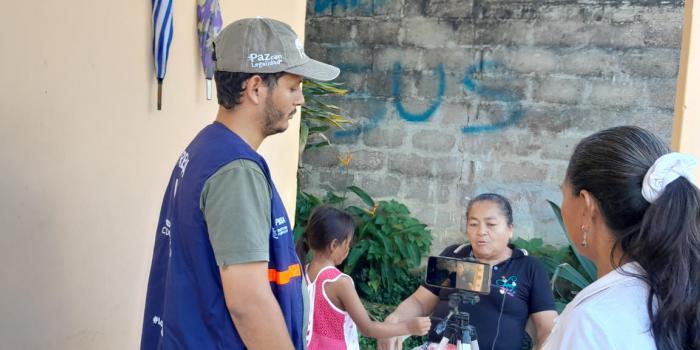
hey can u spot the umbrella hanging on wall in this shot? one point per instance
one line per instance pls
(208, 27)
(162, 37)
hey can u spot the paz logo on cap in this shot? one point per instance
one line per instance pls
(261, 60)
(300, 47)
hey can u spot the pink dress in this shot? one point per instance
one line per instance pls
(329, 327)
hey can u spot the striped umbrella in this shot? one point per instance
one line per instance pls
(208, 27)
(162, 37)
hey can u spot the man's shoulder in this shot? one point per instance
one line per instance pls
(240, 164)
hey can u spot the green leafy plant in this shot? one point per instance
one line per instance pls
(389, 245)
(318, 117)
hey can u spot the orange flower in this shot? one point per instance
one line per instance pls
(373, 210)
(345, 161)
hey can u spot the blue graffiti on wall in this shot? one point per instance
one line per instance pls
(322, 5)
(514, 111)
(396, 91)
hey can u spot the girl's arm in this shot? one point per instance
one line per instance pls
(421, 303)
(344, 292)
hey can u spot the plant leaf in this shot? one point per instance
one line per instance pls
(570, 274)
(587, 265)
(363, 195)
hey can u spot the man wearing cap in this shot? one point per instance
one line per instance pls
(225, 274)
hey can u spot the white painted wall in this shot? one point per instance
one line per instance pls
(686, 126)
(85, 158)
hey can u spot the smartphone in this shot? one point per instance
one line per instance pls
(456, 273)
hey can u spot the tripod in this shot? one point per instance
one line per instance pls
(455, 328)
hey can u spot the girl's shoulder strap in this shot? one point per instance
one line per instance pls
(331, 274)
(328, 273)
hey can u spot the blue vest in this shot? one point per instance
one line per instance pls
(185, 306)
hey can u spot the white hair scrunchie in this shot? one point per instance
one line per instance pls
(665, 170)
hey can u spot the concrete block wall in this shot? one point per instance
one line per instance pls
(452, 98)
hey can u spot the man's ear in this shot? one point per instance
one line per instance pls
(253, 89)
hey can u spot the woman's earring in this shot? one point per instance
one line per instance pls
(584, 243)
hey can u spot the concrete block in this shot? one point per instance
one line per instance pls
(456, 59)
(319, 8)
(424, 31)
(527, 171)
(378, 83)
(525, 60)
(559, 146)
(434, 140)
(388, 8)
(385, 137)
(651, 62)
(386, 57)
(368, 160)
(416, 8)
(330, 30)
(455, 115)
(617, 36)
(559, 90)
(379, 186)
(448, 168)
(664, 33)
(315, 50)
(447, 219)
(356, 59)
(591, 12)
(662, 93)
(449, 8)
(589, 62)
(499, 146)
(507, 11)
(372, 32)
(322, 157)
(562, 33)
(336, 179)
(509, 33)
(617, 92)
(421, 189)
(410, 165)
(355, 8)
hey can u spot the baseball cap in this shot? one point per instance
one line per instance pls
(264, 45)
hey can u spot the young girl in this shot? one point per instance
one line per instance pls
(336, 312)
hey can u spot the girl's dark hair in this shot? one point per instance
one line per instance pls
(663, 237)
(325, 225)
(230, 85)
(502, 202)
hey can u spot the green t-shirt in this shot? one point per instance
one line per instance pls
(236, 203)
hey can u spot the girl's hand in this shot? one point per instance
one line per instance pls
(419, 325)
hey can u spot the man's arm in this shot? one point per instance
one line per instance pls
(253, 308)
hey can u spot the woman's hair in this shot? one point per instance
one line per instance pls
(502, 202)
(663, 237)
(325, 225)
(230, 85)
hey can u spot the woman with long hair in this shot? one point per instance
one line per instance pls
(633, 208)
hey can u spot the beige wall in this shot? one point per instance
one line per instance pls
(686, 126)
(85, 159)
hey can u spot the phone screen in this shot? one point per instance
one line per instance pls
(455, 273)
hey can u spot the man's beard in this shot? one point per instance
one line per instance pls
(273, 117)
